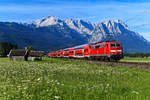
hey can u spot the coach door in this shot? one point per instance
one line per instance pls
(107, 49)
(86, 52)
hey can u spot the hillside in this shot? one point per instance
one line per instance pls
(52, 33)
(42, 38)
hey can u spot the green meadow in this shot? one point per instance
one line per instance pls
(136, 59)
(60, 79)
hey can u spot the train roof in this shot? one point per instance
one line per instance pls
(80, 46)
(66, 49)
(102, 42)
(75, 47)
(58, 50)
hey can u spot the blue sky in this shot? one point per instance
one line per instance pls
(135, 13)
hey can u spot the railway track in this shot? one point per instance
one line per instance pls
(139, 65)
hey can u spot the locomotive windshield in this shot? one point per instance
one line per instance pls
(115, 45)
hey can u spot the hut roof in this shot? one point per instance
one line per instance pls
(17, 53)
(36, 53)
(23, 52)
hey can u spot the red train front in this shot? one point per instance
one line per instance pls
(101, 51)
(107, 51)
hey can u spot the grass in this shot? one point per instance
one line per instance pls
(136, 59)
(59, 79)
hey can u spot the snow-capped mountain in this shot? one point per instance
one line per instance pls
(50, 20)
(81, 26)
(114, 29)
(78, 25)
(108, 30)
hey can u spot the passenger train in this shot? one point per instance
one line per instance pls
(108, 50)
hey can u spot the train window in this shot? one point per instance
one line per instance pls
(118, 45)
(113, 45)
(66, 54)
(70, 51)
(98, 46)
(102, 46)
(79, 54)
(93, 47)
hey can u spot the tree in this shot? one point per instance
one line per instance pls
(5, 48)
(29, 48)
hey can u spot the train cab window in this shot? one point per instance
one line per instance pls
(118, 45)
(113, 45)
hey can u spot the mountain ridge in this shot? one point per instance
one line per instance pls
(54, 33)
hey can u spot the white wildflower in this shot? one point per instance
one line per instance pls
(56, 97)
(100, 71)
(135, 92)
(25, 88)
(38, 79)
(19, 86)
(107, 85)
(58, 83)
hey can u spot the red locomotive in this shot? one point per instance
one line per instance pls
(102, 51)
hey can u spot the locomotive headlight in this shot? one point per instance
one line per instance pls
(113, 50)
(119, 50)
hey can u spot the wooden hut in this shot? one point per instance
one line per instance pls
(25, 55)
(17, 54)
(35, 55)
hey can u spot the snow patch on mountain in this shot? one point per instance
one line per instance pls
(81, 26)
(50, 20)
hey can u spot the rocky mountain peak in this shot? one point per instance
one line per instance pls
(50, 20)
(114, 26)
(114, 23)
(81, 26)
